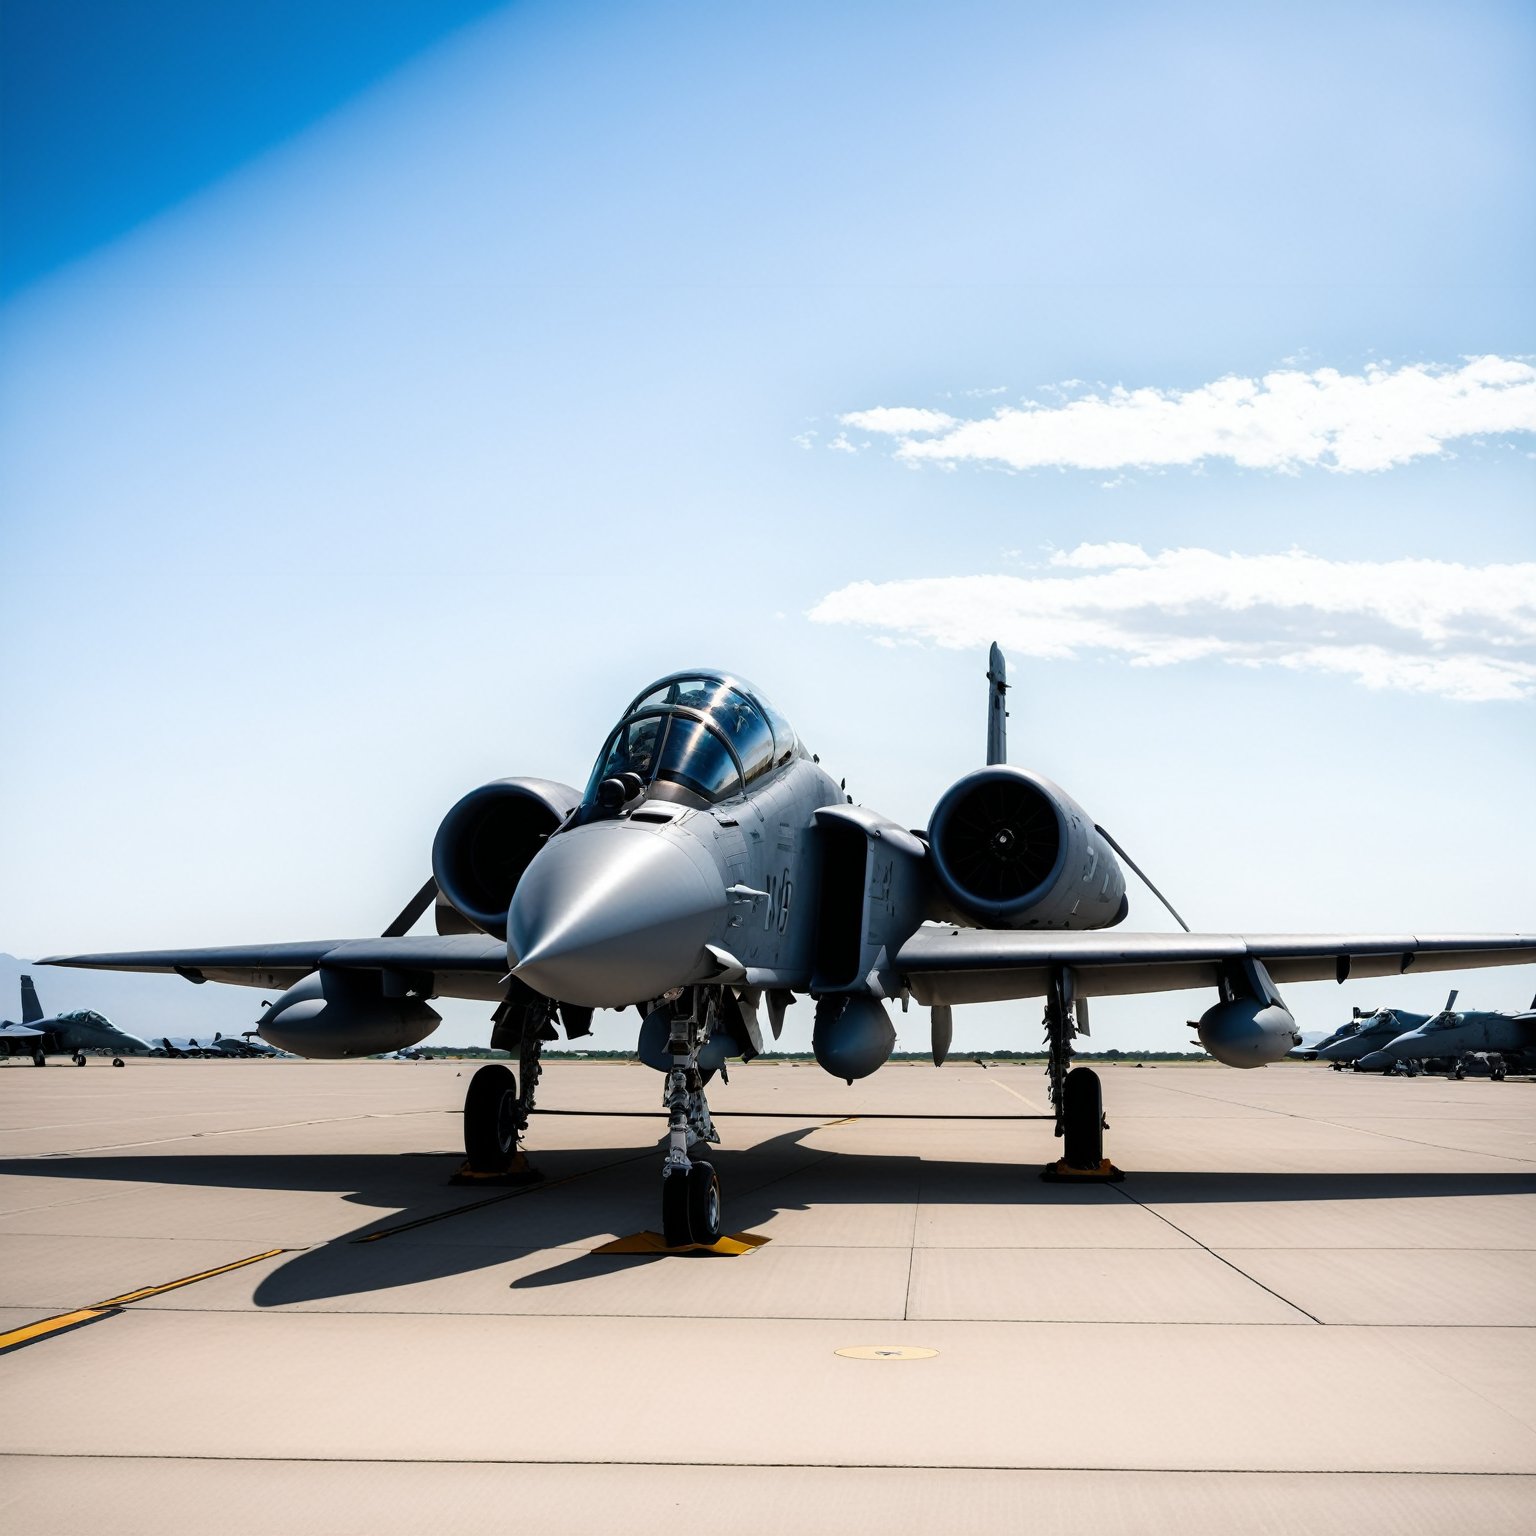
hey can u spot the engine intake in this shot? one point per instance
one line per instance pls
(1012, 850)
(489, 838)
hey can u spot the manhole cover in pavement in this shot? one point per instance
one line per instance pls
(885, 1352)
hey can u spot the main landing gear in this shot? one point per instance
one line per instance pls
(1075, 1092)
(79, 1058)
(690, 1188)
(495, 1112)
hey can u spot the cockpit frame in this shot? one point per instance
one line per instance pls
(772, 740)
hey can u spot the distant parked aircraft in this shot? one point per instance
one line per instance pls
(1456, 1036)
(65, 1034)
(1368, 1033)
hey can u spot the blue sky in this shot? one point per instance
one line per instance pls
(379, 423)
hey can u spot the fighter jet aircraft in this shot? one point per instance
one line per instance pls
(1456, 1036)
(712, 869)
(65, 1034)
(1367, 1032)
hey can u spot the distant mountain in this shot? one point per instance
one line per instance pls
(143, 1005)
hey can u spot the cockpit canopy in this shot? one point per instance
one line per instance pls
(701, 733)
(84, 1016)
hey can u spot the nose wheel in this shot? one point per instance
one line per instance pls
(690, 1189)
(690, 1206)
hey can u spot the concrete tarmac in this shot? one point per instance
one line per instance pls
(1311, 1306)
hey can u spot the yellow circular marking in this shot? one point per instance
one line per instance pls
(885, 1352)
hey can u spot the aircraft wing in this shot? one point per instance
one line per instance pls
(969, 965)
(461, 964)
(20, 1032)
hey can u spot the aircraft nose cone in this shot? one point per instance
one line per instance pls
(609, 915)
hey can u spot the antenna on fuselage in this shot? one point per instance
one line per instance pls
(997, 708)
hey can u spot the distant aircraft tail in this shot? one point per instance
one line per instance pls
(31, 1009)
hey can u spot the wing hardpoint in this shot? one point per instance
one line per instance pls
(461, 965)
(966, 965)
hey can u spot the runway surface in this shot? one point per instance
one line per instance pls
(1311, 1306)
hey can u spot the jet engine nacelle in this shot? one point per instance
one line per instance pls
(489, 838)
(852, 1036)
(334, 1014)
(1012, 850)
(1248, 1032)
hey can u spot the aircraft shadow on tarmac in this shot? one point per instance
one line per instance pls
(586, 1197)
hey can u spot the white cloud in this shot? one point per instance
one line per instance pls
(900, 420)
(1423, 626)
(1092, 557)
(1286, 420)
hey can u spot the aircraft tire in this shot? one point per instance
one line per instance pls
(39, 1060)
(1082, 1102)
(490, 1119)
(704, 1204)
(117, 1061)
(79, 1059)
(676, 1231)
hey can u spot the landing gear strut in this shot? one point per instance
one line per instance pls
(495, 1112)
(690, 1189)
(1075, 1092)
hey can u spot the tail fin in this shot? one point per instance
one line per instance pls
(31, 1009)
(997, 708)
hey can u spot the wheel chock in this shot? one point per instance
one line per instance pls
(518, 1171)
(734, 1246)
(1062, 1172)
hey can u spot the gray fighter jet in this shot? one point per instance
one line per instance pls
(1457, 1036)
(65, 1034)
(1366, 1033)
(711, 870)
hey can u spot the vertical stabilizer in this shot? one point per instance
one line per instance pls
(31, 1009)
(997, 708)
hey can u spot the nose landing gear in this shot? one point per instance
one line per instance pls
(690, 1190)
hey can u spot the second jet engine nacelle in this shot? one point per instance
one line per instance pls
(1012, 850)
(334, 1014)
(1248, 1032)
(489, 838)
(852, 1036)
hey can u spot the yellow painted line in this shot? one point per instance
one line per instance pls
(49, 1325)
(173, 1285)
(108, 1308)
